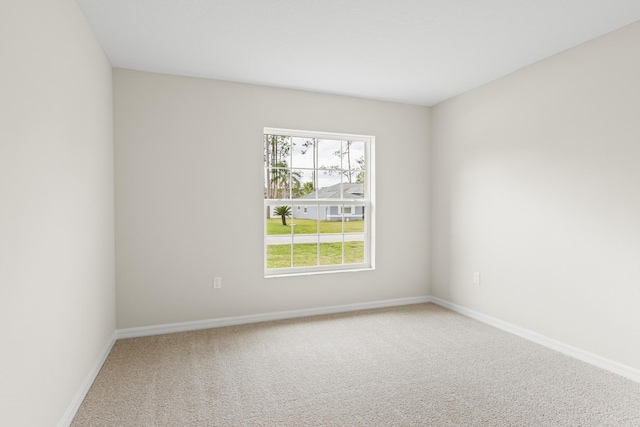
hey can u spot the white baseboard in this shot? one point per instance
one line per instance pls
(593, 359)
(256, 318)
(73, 407)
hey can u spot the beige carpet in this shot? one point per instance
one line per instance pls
(418, 365)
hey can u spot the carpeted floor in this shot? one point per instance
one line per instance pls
(418, 365)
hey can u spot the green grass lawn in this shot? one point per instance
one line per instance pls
(306, 254)
(310, 226)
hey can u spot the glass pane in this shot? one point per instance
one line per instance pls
(354, 252)
(352, 155)
(279, 181)
(266, 155)
(266, 176)
(353, 219)
(277, 151)
(356, 166)
(303, 153)
(305, 250)
(302, 184)
(328, 185)
(331, 253)
(330, 219)
(352, 191)
(329, 154)
(305, 220)
(279, 256)
(279, 237)
(353, 222)
(279, 221)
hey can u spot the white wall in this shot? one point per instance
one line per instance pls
(189, 198)
(535, 182)
(57, 287)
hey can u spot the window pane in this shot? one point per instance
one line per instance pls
(265, 179)
(303, 153)
(331, 235)
(279, 237)
(354, 236)
(352, 191)
(279, 220)
(331, 219)
(328, 185)
(354, 222)
(329, 154)
(278, 183)
(352, 154)
(331, 253)
(279, 256)
(302, 184)
(355, 166)
(355, 155)
(354, 252)
(277, 159)
(305, 220)
(305, 254)
(277, 150)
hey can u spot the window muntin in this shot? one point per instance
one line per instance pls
(330, 177)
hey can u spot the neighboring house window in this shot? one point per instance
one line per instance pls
(347, 210)
(331, 176)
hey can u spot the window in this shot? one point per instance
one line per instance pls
(331, 177)
(347, 210)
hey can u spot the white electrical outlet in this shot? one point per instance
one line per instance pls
(476, 278)
(217, 282)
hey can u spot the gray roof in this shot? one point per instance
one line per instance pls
(350, 191)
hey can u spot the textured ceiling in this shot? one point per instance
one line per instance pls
(410, 51)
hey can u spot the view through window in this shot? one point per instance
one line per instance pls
(318, 205)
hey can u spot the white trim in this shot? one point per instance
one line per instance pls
(585, 356)
(317, 269)
(73, 407)
(350, 268)
(265, 317)
(314, 134)
(315, 202)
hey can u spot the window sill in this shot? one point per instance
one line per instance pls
(313, 273)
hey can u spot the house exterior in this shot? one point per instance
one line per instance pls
(331, 212)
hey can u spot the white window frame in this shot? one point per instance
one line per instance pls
(368, 203)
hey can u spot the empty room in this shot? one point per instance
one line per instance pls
(333, 213)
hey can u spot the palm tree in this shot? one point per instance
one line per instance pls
(283, 212)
